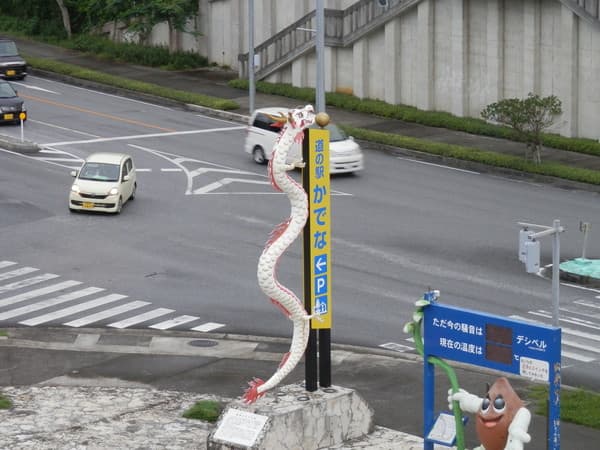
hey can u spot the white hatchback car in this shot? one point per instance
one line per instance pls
(344, 153)
(104, 183)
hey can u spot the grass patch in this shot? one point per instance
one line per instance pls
(133, 85)
(576, 405)
(411, 114)
(476, 155)
(3, 333)
(4, 402)
(206, 410)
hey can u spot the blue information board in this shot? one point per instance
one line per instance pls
(527, 349)
(531, 350)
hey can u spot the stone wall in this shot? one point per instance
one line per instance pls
(447, 55)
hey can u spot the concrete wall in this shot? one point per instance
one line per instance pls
(446, 55)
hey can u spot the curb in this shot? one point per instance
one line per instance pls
(18, 146)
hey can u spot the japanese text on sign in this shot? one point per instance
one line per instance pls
(320, 228)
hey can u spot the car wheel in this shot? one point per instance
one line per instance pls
(119, 206)
(132, 196)
(258, 154)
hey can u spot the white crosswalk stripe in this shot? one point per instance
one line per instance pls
(173, 322)
(73, 309)
(38, 292)
(17, 273)
(48, 303)
(30, 299)
(140, 318)
(106, 313)
(26, 282)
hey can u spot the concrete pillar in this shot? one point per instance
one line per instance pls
(391, 71)
(360, 59)
(330, 69)
(299, 77)
(495, 51)
(460, 57)
(568, 86)
(425, 42)
(531, 47)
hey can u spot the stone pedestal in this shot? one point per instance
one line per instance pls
(295, 419)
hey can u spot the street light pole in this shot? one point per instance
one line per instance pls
(251, 86)
(320, 49)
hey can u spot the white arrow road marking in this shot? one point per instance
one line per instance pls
(219, 184)
(4, 264)
(146, 136)
(34, 88)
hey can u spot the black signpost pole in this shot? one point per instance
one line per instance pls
(310, 355)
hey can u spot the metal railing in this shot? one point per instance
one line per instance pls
(342, 28)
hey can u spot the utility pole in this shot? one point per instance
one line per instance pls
(320, 48)
(251, 84)
(529, 253)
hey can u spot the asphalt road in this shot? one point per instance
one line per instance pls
(191, 240)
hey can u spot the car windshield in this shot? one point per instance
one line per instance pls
(335, 134)
(8, 48)
(6, 91)
(100, 172)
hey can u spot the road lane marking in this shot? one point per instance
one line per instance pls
(224, 181)
(141, 318)
(27, 282)
(17, 273)
(438, 165)
(72, 310)
(38, 292)
(48, 303)
(105, 314)
(96, 113)
(173, 322)
(208, 326)
(4, 264)
(144, 136)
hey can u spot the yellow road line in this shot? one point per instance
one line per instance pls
(96, 113)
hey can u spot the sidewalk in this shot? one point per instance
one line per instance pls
(127, 389)
(105, 389)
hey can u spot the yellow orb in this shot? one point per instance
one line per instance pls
(322, 119)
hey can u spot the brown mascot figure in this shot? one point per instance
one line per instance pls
(501, 417)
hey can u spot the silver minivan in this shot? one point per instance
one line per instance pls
(344, 153)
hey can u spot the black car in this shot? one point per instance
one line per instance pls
(12, 66)
(11, 105)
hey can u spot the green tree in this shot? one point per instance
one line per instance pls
(529, 117)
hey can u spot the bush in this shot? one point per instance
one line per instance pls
(133, 85)
(153, 56)
(414, 115)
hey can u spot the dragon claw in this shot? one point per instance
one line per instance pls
(251, 393)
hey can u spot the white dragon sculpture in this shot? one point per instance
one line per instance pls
(279, 240)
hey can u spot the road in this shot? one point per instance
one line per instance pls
(183, 255)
